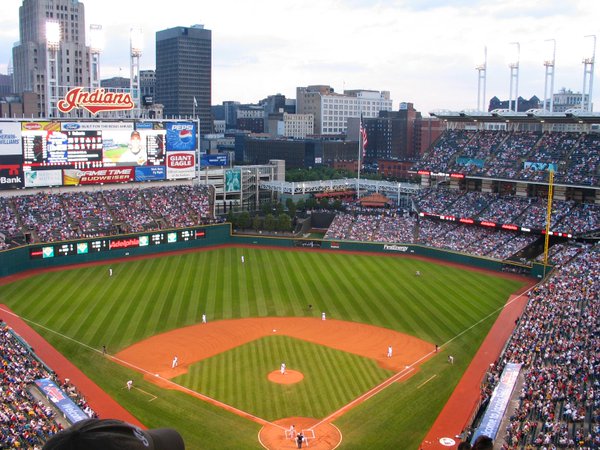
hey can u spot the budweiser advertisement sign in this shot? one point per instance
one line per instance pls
(96, 101)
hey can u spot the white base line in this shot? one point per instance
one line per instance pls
(426, 381)
(154, 397)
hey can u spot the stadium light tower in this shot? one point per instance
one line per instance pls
(96, 47)
(52, 47)
(549, 63)
(514, 77)
(481, 81)
(136, 46)
(588, 70)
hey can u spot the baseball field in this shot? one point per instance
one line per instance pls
(260, 313)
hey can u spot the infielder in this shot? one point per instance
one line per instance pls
(203, 318)
(175, 362)
(389, 353)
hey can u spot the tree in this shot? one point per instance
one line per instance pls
(266, 207)
(324, 203)
(301, 205)
(231, 217)
(257, 223)
(269, 224)
(291, 207)
(311, 203)
(279, 208)
(244, 220)
(284, 222)
(337, 204)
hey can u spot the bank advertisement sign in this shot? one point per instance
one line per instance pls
(11, 172)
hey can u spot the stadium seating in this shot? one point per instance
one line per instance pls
(24, 421)
(557, 341)
(47, 217)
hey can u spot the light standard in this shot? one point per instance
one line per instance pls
(481, 81)
(96, 47)
(52, 47)
(136, 45)
(514, 76)
(549, 64)
(588, 70)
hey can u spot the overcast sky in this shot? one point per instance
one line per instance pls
(422, 51)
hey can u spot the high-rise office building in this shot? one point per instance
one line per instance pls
(183, 73)
(51, 55)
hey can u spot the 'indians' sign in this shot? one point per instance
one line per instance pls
(96, 101)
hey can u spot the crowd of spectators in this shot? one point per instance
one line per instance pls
(47, 217)
(561, 253)
(518, 155)
(394, 226)
(557, 340)
(27, 422)
(9, 226)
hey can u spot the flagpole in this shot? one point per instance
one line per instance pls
(359, 155)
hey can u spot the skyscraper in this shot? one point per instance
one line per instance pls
(183, 73)
(48, 60)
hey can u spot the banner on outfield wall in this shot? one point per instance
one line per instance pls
(181, 165)
(10, 138)
(59, 399)
(494, 412)
(150, 173)
(181, 136)
(11, 172)
(40, 178)
(75, 177)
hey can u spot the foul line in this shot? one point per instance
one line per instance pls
(426, 381)
(154, 397)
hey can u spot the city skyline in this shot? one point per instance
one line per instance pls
(424, 52)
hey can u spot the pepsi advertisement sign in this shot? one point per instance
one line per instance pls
(181, 136)
(150, 173)
(213, 160)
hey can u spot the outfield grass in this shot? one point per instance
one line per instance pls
(150, 296)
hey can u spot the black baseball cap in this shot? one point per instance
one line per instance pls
(112, 434)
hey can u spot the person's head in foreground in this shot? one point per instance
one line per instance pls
(112, 434)
(483, 443)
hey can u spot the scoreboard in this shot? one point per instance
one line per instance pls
(50, 153)
(107, 244)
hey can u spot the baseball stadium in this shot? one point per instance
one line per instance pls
(359, 314)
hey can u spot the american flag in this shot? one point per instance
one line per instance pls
(365, 141)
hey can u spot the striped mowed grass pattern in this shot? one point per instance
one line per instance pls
(238, 377)
(150, 296)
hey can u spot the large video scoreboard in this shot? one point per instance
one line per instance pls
(69, 153)
(106, 244)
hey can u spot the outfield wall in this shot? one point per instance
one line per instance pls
(92, 250)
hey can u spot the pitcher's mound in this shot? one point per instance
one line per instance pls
(290, 377)
(276, 436)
